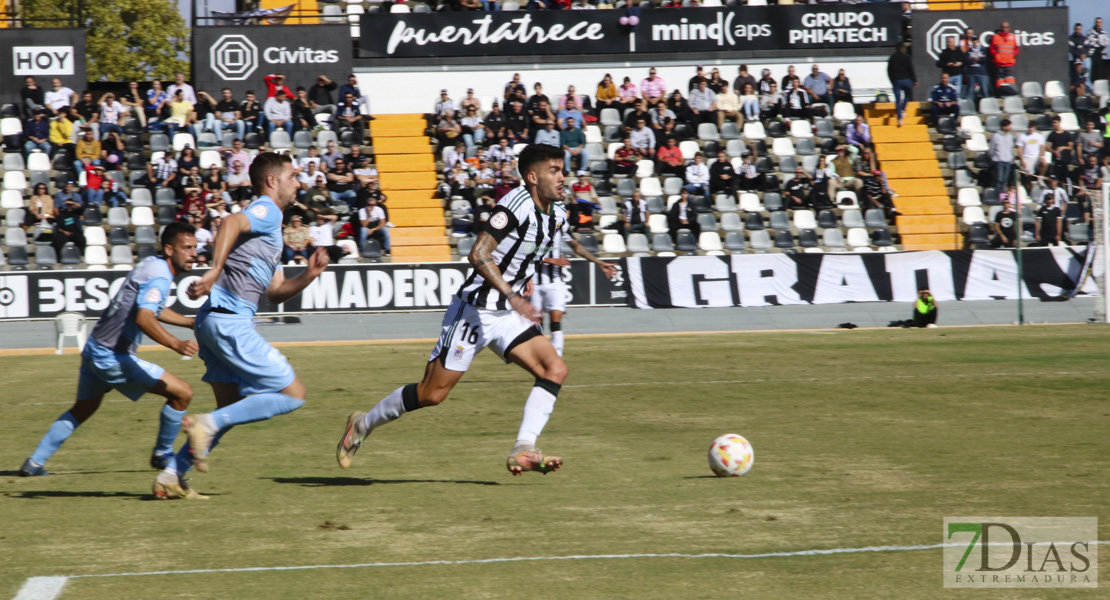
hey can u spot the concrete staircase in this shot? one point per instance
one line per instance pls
(927, 220)
(408, 175)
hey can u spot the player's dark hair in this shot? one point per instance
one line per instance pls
(268, 163)
(534, 154)
(170, 233)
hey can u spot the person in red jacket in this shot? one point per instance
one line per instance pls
(276, 82)
(1004, 52)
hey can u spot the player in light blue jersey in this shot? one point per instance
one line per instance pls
(108, 360)
(252, 381)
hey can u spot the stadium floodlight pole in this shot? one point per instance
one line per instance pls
(1017, 248)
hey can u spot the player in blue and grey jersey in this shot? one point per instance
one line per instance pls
(252, 381)
(108, 360)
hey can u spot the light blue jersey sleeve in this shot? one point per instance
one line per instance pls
(251, 264)
(264, 218)
(153, 294)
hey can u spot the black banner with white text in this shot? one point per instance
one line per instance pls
(778, 279)
(397, 35)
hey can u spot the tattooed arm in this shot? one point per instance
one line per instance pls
(481, 257)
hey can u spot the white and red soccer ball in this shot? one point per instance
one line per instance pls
(731, 456)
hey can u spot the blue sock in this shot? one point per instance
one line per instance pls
(258, 407)
(169, 425)
(58, 433)
(183, 461)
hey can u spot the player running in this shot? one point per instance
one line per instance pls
(108, 360)
(549, 292)
(252, 381)
(490, 310)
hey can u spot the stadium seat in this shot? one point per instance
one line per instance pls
(783, 147)
(165, 197)
(608, 205)
(804, 147)
(11, 199)
(207, 139)
(141, 216)
(730, 131)
(858, 238)
(1030, 89)
(711, 148)
(967, 107)
(826, 219)
(989, 106)
(211, 158)
(672, 186)
(749, 202)
(993, 123)
(96, 255)
(734, 240)
(776, 129)
(788, 164)
(15, 180)
(1061, 105)
(610, 117)
(971, 124)
(145, 251)
(852, 218)
(1054, 89)
(874, 217)
(589, 242)
(977, 234)
(657, 223)
(645, 168)
(118, 236)
(70, 254)
(278, 139)
(166, 215)
(881, 237)
(709, 241)
(1035, 105)
(593, 136)
(141, 197)
(18, 256)
(13, 161)
(779, 220)
(145, 235)
(731, 222)
(969, 196)
(846, 198)
(784, 239)
(625, 187)
(735, 148)
(805, 219)
(801, 128)
(10, 126)
(464, 246)
(1069, 122)
(708, 131)
(15, 236)
(638, 243)
(650, 186)
(957, 160)
(760, 240)
(118, 217)
(974, 214)
(661, 242)
(121, 255)
(824, 128)
(844, 111)
(946, 126)
(832, 238)
(159, 142)
(708, 222)
(1078, 233)
(1043, 122)
(613, 243)
(963, 179)
(686, 242)
(753, 130)
(753, 221)
(1012, 105)
(765, 165)
(655, 204)
(807, 238)
(724, 203)
(772, 201)
(700, 204)
(978, 143)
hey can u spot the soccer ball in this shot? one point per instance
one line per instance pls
(731, 456)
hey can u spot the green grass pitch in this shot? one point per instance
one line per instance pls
(862, 438)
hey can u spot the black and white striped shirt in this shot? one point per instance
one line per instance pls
(524, 235)
(548, 273)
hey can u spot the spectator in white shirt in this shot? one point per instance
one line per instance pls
(548, 135)
(372, 223)
(322, 235)
(703, 104)
(474, 129)
(186, 89)
(697, 176)
(503, 153)
(445, 105)
(111, 111)
(313, 157)
(454, 155)
(59, 97)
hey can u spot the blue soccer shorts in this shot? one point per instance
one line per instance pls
(234, 352)
(103, 370)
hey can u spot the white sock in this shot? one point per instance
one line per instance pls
(557, 341)
(389, 409)
(541, 401)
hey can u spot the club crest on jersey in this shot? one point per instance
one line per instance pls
(259, 210)
(458, 352)
(499, 221)
(529, 247)
(154, 296)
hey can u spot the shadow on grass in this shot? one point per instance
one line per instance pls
(35, 495)
(701, 477)
(343, 481)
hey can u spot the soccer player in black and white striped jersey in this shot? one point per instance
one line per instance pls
(549, 293)
(490, 309)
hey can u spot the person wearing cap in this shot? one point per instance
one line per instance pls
(68, 224)
(36, 134)
(319, 95)
(471, 101)
(445, 105)
(696, 79)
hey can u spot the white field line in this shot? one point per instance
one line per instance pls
(49, 588)
(510, 384)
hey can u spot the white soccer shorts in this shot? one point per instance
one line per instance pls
(467, 329)
(550, 296)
